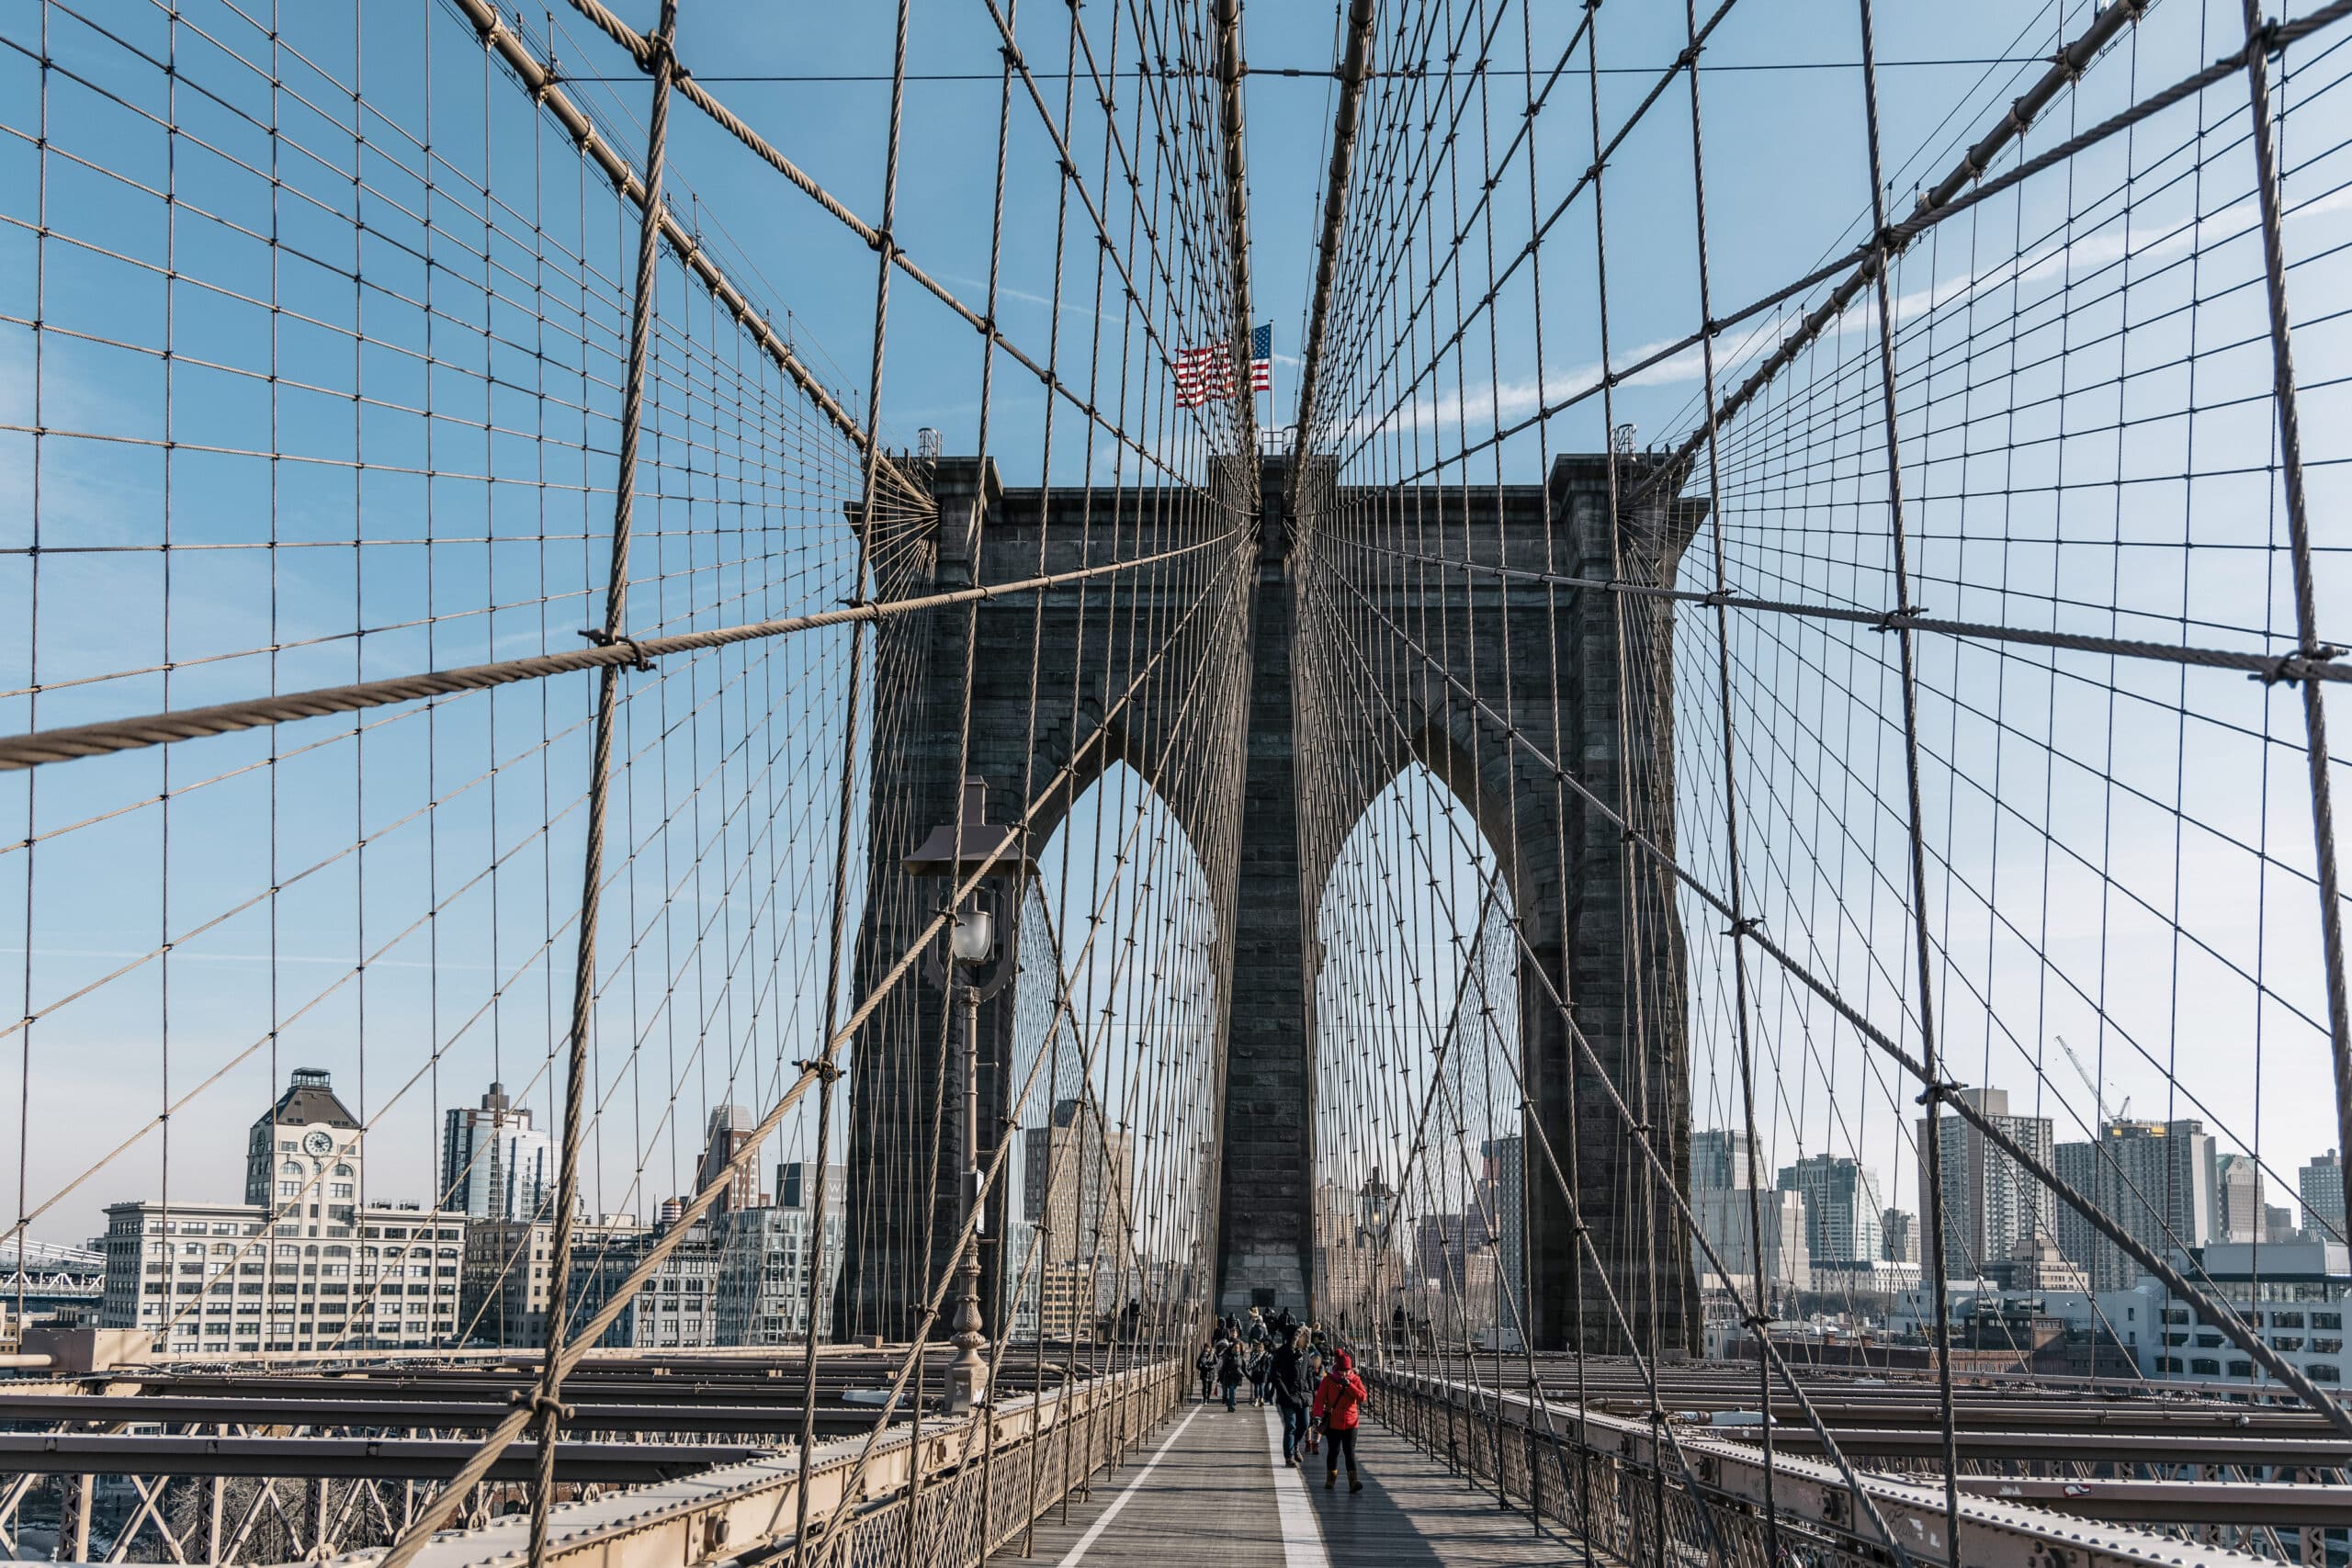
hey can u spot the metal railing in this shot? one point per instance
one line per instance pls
(983, 1478)
(1626, 1493)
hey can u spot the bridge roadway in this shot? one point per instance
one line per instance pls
(1208, 1489)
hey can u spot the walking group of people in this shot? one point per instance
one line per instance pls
(1296, 1368)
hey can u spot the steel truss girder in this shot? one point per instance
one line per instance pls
(131, 1453)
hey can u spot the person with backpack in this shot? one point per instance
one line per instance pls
(1339, 1401)
(1294, 1392)
(1229, 1369)
(1205, 1364)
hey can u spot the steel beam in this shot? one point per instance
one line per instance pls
(438, 1415)
(93, 1453)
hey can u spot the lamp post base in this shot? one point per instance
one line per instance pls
(968, 1375)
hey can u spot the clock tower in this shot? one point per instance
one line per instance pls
(303, 1157)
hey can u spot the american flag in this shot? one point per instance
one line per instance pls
(1206, 372)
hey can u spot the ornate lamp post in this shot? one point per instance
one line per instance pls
(974, 960)
(1375, 1211)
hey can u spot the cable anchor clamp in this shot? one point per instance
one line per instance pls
(544, 1409)
(638, 658)
(822, 1067)
(1745, 928)
(2290, 667)
(1937, 1093)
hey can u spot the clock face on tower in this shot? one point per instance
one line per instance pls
(319, 1142)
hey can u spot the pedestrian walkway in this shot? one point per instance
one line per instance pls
(1209, 1490)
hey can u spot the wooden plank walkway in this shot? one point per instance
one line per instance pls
(1209, 1490)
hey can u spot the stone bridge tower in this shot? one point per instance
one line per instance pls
(1567, 880)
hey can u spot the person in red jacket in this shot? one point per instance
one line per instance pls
(1338, 1400)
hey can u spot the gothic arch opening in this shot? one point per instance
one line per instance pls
(1420, 1151)
(1112, 1079)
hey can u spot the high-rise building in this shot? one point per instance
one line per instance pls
(304, 1264)
(1989, 1201)
(2321, 1186)
(1718, 1159)
(2277, 1224)
(494, 1164)
(2238, 1199)
(731, 1129)
(1506, 1194)
(1077, 1184)
(1443, 1244)
(1841, 1207)
(2155, 1178)
(1723, 1219)
(765, 1269)
(1898, 1237)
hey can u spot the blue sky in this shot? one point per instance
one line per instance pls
(1787, 189)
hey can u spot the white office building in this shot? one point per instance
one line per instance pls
(301, 1265)
(1842, 1212)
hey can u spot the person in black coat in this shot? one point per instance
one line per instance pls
(1228, 1368)
(1292, 1381)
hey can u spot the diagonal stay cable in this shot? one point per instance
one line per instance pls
(2272, 40)
(640, 50)
(1638, 1129)
(436, 1514)
(2271, 669)
(1937, 1092)
(542, 84)
(36, 746)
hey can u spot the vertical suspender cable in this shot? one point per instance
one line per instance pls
(1932, 1150)
(549, 1401)
(1736, 888)
(1236, 210)
(2299, 545)
(1354, 67)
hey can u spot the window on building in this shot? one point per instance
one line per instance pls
(2323, 1371)
(339, 1190)
(2328, 1347)
(2327, 1320)
(2208, 1342)
(343, 1170)
(2286, 1342)
(2205, 1365)
(2286, 1320)
(287, 1189)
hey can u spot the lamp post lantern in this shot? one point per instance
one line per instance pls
(975, 959)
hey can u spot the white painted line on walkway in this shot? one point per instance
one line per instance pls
(1095, 1530)
(1302, 1537)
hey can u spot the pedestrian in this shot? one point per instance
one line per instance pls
(1338, 1400)
(1294, 1392)
(1205, 1364)
(1229, 1369)
(1261, 1363)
